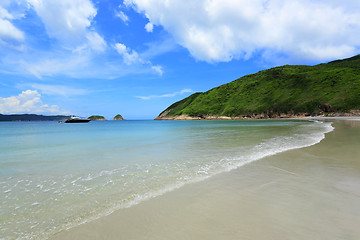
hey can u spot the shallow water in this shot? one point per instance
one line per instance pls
(309, 193)
(56, 176)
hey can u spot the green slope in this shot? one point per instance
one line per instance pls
(331, 87)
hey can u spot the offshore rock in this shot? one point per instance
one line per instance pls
(118, 118)
(97, 118)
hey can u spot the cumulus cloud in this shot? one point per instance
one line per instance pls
(64, 41)
(221, 30)
(69, 22)
(166, 95)
(131, 57)
(65, 19)
(28, 101)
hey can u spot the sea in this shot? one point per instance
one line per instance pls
(55, 176)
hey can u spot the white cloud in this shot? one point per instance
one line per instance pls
(149, 27)
(66, 18)
(28, 101)
(49, 64)
(221, 30)
(64, 42)
(122, 16)
(5, 14)
(131, 57)
(158, 69)
(60, 90)
(8, 32)
(96, 42)
(166, 95)
(81, 64)
(157, 48)
(69, 22)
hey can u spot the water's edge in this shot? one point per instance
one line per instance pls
(55, 177)
(317, 139)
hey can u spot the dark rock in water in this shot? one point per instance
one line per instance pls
(118, 117)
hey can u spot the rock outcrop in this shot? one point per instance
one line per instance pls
(352, 113)
(118, 118)
(164, 116)
(97, 118)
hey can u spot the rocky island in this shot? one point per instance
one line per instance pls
(331, 89)
(118, 118)
(97, 118)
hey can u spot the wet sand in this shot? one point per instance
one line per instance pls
(309, 193)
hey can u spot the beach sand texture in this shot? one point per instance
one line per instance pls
(308, 193)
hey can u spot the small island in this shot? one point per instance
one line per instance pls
(97, 118)
(118, 118)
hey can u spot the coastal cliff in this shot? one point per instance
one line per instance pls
(331, 89)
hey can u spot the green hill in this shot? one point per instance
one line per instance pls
(328, 88)
(118, 117)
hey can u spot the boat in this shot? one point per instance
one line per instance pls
(74, 119)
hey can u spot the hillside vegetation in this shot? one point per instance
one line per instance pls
(97, 118)
(118, 117)
(324, 88)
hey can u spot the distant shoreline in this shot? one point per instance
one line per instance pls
(31, 117)
(37, 118)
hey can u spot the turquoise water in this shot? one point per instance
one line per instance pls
(55, 176)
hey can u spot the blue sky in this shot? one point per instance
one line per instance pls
(136, 57)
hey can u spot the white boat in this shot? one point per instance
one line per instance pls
(74, 119)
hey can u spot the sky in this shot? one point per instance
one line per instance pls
(137, 57)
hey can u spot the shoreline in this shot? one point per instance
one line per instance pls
(350, 114)
(101, 227)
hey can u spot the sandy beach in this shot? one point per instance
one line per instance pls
(308, 193)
